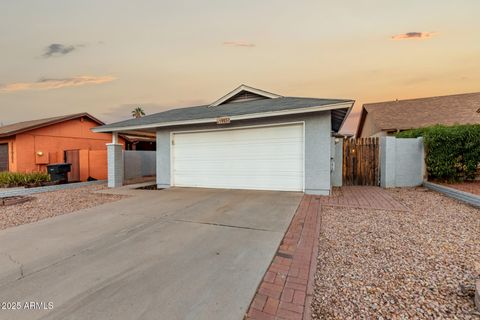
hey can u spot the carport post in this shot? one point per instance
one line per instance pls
(115, 162)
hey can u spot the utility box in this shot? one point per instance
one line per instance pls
(59, 171)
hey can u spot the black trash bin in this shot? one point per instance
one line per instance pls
(59, 171)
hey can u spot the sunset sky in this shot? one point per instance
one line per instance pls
(106, 57)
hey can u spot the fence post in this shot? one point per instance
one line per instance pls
(423, 159)
(337, 162)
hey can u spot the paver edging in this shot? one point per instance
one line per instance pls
(307, 312)
(282, 292)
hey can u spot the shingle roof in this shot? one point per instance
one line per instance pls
(422, 112)
(15, 128)
(225, 110)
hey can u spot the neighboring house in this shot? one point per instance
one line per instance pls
(31, 145)
(384, 118)
(248, 139)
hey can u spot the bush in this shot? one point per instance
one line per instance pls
(452, 152)
(17, 179)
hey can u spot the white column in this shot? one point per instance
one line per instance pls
(388, 151)
(115, 162)
(115, 137)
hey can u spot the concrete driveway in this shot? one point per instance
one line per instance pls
(171, 254)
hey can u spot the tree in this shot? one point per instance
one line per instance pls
(138, 112)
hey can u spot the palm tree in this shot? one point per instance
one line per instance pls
(138, 112)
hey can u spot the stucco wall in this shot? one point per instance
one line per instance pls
(139, 163)
(402, 162)
(317, 148)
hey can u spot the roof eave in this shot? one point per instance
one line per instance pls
(49, 123)
(346, 116)
(327, 107)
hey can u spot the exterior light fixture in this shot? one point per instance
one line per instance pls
(39, 153)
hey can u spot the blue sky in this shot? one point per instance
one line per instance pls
(105, 57)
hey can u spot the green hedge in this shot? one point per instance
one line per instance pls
(17, 179)
(452, 152)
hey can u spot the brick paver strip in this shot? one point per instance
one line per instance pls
(286, 290)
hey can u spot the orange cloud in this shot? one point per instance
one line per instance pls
(414, 35)
(47, 84)
(238, 44)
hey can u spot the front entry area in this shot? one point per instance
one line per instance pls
(259, 157)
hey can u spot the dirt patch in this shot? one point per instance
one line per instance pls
(50, 204)
(381, 264)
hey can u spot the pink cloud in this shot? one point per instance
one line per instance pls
(48, 84)
(238, 44)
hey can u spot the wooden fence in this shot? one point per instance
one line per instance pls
(361, 162)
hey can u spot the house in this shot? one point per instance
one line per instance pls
(247, 139)
(32, 145)
(385, 118)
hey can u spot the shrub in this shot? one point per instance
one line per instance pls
(452, 152)
(18, 179)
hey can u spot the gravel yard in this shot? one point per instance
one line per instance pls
(377, 264)
(50, 204)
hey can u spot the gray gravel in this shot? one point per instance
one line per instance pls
(376, 264)
(49, 204)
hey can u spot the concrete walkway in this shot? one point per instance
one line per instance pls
(171, 254)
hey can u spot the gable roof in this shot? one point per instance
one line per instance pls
(19, 127)
(423, 112)
(243, 93)
(236, 111)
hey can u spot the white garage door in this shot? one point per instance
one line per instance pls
(262, 158)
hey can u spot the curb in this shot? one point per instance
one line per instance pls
(463, 196)
(29, 191)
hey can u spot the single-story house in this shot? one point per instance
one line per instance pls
(247, 139)
(386, 118)
(31, 145)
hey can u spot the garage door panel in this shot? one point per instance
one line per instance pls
(267, 158)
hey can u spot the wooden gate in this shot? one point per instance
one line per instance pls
(361, 165)
(73, 157)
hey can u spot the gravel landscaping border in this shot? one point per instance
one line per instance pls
(54, 203)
